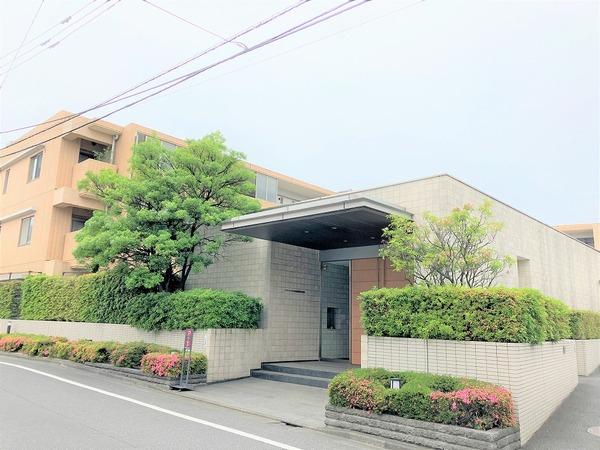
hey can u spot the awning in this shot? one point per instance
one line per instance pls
(340, 221)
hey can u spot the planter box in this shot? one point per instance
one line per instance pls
(539, 376)
(194, 380)
(426, 434)
(588, 356)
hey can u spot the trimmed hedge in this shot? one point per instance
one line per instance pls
(585, 325)
(424, 396)
(460, 313)
(10, 295)
(196, 308)
(150, 358)
(102, 298)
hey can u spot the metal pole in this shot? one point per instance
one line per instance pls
(8, 326)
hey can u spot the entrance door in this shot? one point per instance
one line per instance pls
(335, 310)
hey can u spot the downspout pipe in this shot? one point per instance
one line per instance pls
(115, 138)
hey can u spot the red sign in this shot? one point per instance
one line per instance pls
(189, 335)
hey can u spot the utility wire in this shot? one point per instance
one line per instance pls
(66, 20)
(119, 96)
(22, 43)
(296, 29)
(183, 19)
(53, 45)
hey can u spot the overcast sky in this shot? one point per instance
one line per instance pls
(501, 94)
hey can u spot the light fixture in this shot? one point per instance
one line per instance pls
(345, 240)
(395, 383)
(373, 237)
(306, 231)
(334, 228)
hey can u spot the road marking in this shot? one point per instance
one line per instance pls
(159, 409)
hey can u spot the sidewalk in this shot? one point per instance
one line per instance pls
(567, 427)
(291, 403)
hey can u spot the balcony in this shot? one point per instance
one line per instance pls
(89, 165)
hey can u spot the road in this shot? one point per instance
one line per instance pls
(49, 405)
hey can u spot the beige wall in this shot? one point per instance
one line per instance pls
(539, 377)
(588, 356)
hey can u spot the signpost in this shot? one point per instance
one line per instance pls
(186, 362)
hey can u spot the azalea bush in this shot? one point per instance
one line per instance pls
(152, 359)
(169, 364)
(423, 396)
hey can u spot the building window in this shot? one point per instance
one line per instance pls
(25, 234)
(5, 184)
(93, 150)
(587, 240)
(266, 188)
(331, 313)
(141, 137)
(35, 166)
(77, 222)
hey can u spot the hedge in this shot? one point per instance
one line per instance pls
(424, 396)
(10, 295)
(149, 358)
(196, 308)
(585, 325)
(102, 298)
(460, 313)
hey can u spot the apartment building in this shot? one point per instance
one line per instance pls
(41, 208)
(588, 233)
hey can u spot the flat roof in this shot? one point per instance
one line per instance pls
(341, 221)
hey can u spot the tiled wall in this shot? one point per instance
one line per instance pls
(540, 376)
(588, 356)
(287, 280)
(558, 265)
(232, 353)
(335, 293)
(105, 332)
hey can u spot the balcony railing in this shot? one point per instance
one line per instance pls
(89, 165)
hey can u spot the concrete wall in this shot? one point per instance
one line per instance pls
(232, 353)
(105, 332)
(558, 265)
(335, 287)
(540, 376)
(588, 356)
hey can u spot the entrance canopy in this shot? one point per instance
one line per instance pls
(340, 221)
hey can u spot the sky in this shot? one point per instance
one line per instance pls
(503, 95)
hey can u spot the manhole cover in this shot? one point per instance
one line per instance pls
(594, 430)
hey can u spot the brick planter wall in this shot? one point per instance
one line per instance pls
(540, 376)
(426, 434)
(588, 356)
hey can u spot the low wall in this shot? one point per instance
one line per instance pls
(588, 356)
(425, 434)
(231, 353)
(540, 376)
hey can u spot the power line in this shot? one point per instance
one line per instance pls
(22, 42)
(183, 19)
(37, 36)
(117, 97)
(327, 15)
(53, 45)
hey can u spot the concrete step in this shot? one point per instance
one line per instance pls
(290, 378)
(308, 372)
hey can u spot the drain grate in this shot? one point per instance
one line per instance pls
(594, 430)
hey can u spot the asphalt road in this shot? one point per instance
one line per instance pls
(51, 405)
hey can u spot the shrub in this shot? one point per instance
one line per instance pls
(461, 313)
(62, 349)
(40, 345)
(424, 396)
(197, 308)
(131, 354)
(481, 407)
(585, 325)
(12, 343)
(90, 351)
(169, 364)
(10, 296)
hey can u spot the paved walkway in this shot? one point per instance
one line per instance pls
(297, 405)
(567, 427)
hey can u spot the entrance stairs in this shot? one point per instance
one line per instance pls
(307, 373)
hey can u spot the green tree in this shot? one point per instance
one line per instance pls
(454, 249)
(162, 221)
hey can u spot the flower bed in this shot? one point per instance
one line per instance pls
(422, 396)
(138, 357)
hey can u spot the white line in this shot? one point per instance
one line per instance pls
(159, 409)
